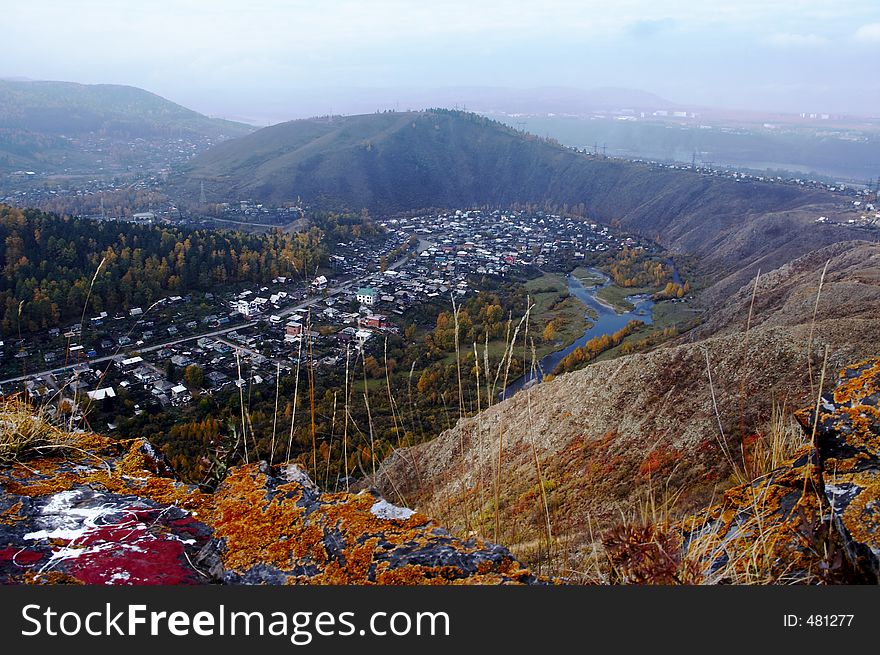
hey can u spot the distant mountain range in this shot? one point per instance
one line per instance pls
(57, 125)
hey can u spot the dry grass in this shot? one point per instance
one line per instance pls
(26, 431)
(769, 449)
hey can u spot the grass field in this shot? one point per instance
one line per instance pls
(616, 296)
(587, 277)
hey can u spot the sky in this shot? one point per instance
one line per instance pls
(270, 60)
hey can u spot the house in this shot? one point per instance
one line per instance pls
(250, 308)
(366, 296)
(216, 379)
(130, 363)
(293, 331)
(101, 394)
(375, 321)
(180, 395)
(361, 336)
(181, 361)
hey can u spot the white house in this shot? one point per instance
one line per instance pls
(101, 394)
(366, 296)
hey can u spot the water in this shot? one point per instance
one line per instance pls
(607, 321)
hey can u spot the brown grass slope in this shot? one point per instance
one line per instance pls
(607, 434)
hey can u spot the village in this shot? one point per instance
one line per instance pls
(183, 347)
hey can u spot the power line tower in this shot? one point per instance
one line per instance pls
(604, 149)
(694, 161)
(596, 149)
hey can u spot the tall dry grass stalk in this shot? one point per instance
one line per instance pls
(346, 416)
(275, 413)
(813, 327)
(722, 440)
(240, 383)
(743, 372)
(295, 401)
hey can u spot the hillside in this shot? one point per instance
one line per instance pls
(395, 162)
(49, 125)
(609, 436)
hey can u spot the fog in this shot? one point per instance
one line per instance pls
(271, 60)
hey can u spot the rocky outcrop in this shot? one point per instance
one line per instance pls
(818, 517)
(113, 513)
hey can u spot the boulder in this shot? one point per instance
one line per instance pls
(112, 512)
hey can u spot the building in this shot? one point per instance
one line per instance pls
(293, 331)
(362, 336)
(367, 296)
(101, 394)
(131, 363)
(374, 321)
(250, 308)
(180, 395)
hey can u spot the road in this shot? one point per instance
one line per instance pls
(335, 291)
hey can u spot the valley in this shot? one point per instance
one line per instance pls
(536, 344)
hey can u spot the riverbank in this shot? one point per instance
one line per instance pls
(608, 321)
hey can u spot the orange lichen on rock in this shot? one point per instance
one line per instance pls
(260, 526)
(272, 530)
(798, 522)
(762, 531)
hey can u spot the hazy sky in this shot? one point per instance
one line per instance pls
(274, 59)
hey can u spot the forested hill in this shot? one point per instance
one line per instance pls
(48, 264)
(390, 162)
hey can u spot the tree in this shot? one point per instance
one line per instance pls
(194, 376)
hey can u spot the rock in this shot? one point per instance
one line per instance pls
(764, 531)
(818, 517)
(113, 513)
(269, 530)
(848, 442)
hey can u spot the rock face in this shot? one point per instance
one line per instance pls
(818, 517)
(113, 513)
(848, 443)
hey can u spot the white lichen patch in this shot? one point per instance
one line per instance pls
(384, 510)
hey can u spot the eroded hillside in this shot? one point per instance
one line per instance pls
(681, 422)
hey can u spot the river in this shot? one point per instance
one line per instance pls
(607, 321)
